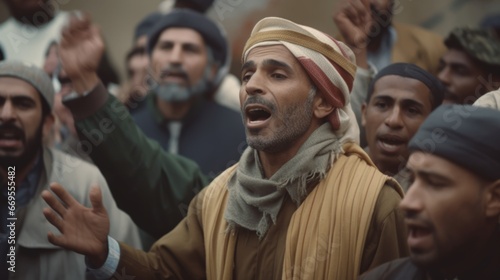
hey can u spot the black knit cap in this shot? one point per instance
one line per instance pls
(145, 25)
(211, 33)
(198, 5)
(466, 135)
(408, 70)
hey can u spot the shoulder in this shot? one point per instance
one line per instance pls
(400, 269)
(489, 100)
(415, 31)
(69, 168)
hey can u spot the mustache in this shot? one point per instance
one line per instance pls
(174, 70)
(257, 99)
(10, 128)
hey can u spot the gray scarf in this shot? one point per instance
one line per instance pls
(255, 201)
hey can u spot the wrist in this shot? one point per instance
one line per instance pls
(98, 260)
(85, 82)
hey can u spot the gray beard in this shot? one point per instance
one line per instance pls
(176, 93)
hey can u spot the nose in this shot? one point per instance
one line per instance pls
(444, 76)
(255, 84)
(412, 202)
(7, 111)
(393, 120)
(175, 56)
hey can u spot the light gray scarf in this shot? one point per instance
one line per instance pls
(255, 201)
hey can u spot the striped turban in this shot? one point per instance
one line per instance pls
(329, 63)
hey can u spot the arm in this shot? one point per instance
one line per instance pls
(353, 19)
(153, 187)
(179, 254)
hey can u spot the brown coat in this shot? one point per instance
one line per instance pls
(181, 253)
(418, 46)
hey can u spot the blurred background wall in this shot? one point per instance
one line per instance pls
(117, 18)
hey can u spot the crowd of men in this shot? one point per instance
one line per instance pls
(368, 154)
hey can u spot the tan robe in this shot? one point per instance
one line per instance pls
(199, 247)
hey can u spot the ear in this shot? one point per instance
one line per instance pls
(363, 113)
(321, 107)
(48, 123)
(493, 199)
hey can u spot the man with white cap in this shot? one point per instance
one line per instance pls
(304, 201)
(26, 169)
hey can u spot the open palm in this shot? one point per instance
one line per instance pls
(83, 230)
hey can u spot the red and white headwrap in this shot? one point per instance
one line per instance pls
(329, 63)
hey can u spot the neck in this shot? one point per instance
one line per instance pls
(271, 163)
(174, 110)
(475, 257)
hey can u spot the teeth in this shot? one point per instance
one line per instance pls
(389, 146)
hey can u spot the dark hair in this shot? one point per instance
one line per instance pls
(412, 71)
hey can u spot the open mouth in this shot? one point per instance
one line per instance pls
(175, 74)
(391, 143)
(418, 232)
(10, 138)
(257, 114)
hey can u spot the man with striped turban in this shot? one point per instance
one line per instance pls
(303, 202)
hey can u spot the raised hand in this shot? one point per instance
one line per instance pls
(81, 49)
(83, 230)
(354, 20)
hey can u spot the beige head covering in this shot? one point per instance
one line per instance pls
(329, 63)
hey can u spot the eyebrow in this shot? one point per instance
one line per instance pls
(429, 174)
(404, 102)
(277, 64)
(247, 65)
(267, 63)
(454, 64)
(412, 102)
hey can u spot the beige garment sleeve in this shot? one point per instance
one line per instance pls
(386, 238)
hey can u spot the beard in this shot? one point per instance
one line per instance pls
(31, 148)
(176, 93)
(295, 121)
(171, 92)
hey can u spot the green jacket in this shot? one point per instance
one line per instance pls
(151, 185)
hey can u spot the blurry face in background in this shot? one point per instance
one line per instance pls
(137, 72)
(460, 74)
(21, 123)
(180, 65)
(396, 109)
(179, 57)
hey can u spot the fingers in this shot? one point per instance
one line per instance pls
(78, 27)
(355, 11)
(65, 197)
(96, 199)
(53, 218)
(54, 203)
(58, 240)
